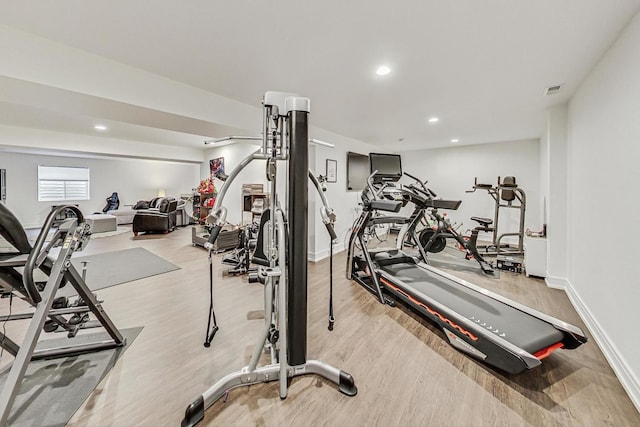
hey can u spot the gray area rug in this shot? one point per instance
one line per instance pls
(114, 268)
(53, 390)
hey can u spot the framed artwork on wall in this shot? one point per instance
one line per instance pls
(332, 170)
(216, 167)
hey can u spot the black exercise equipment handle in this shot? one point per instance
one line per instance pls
(422, 184)
(211, 328)
(332, 319)
(27, 276)
(213, 235)
(430, 195)
(331, 231)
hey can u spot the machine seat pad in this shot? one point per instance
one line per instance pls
(482, 221)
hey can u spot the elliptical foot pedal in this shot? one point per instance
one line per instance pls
(487, 268)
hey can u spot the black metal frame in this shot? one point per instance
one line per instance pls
(72, 235)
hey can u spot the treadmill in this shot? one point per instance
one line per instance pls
(496, 330)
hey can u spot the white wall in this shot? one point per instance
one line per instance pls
(343, 202)
(603, 218)
(451, 172)
(133, 180)
(556, 196)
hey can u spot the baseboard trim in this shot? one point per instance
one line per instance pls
(557, 283)
(625, 375)
(319, 256)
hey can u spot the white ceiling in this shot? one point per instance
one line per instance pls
(480, 66)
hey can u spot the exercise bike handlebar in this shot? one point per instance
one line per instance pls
(35, 256)
(422, 184)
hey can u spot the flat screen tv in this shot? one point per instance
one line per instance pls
(388, 166)
(357, 171)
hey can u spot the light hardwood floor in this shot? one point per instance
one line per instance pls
(406, 372)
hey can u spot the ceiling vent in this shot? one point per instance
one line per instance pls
(552, 90)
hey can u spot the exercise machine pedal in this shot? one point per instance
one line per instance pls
(50, 326)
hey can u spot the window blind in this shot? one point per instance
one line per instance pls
(57, 183)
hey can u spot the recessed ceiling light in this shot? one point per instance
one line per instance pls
(101, 128)
(433, 120)
(383, 70)
(454, 140)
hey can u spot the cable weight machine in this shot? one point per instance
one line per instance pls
(284, 336)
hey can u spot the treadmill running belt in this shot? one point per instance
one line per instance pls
(521, 329)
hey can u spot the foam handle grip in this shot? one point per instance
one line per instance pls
(213, 236)
(332, 231)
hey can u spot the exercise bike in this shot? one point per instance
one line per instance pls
(433, 238)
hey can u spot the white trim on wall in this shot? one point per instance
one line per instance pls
(625, 374)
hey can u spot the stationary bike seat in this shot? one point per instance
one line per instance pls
(482, 221)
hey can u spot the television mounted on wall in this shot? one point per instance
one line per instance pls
(357, 171)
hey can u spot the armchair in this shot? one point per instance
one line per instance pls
(157, 219)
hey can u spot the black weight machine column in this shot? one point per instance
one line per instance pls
(298, 202)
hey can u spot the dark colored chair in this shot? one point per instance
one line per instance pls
(160, 220)
(113, 203)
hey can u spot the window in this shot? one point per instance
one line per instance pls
(62, 183)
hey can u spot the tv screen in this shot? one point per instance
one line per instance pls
(357, 171)
(389, 166)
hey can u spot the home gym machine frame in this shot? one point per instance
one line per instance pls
(72, 235)
(476, 321)
(485, 225)
(285, 138)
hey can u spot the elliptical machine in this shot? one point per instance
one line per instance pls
(284, 335)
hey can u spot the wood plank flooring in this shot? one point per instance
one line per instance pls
(406, 372)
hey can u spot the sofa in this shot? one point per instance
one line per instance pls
(159, 215)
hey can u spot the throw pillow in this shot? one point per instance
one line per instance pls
(142, 204)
